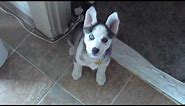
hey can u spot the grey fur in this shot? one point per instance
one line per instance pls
(82, 46)
(78, 34)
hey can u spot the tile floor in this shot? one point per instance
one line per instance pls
(37, 72)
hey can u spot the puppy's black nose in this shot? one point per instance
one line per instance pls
(95, 50)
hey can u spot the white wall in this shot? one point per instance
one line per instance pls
(22, 6)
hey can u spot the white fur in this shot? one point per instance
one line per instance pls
(99, 33)
(113, 22)
(87, 59)
(83, 60)
(90, 17)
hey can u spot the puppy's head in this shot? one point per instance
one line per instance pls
(98, 36)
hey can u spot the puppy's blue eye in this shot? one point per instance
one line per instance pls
(91, 37)
(104, 40)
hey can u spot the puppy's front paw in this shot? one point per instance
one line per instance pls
(101, 79)
(76, 76)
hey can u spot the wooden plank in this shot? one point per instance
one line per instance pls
(139, 66)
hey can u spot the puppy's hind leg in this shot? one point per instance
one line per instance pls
(77, 71)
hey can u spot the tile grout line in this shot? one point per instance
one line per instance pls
(68, 92)
(13, 50)
(27, 36)
(55, 83)
(11, 53)
(61, 87)
(65, 89)
(40, 72)
(33, 65)
(46, 93)
(121, 90)
(10, 48)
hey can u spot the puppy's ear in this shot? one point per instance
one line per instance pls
(113, 22)
(90, 17)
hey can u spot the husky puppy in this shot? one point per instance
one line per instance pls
(91, 44)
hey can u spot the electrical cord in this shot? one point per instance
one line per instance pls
(79, 19)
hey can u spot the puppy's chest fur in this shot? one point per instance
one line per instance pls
(83, 58)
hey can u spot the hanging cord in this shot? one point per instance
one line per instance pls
(79, 19)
